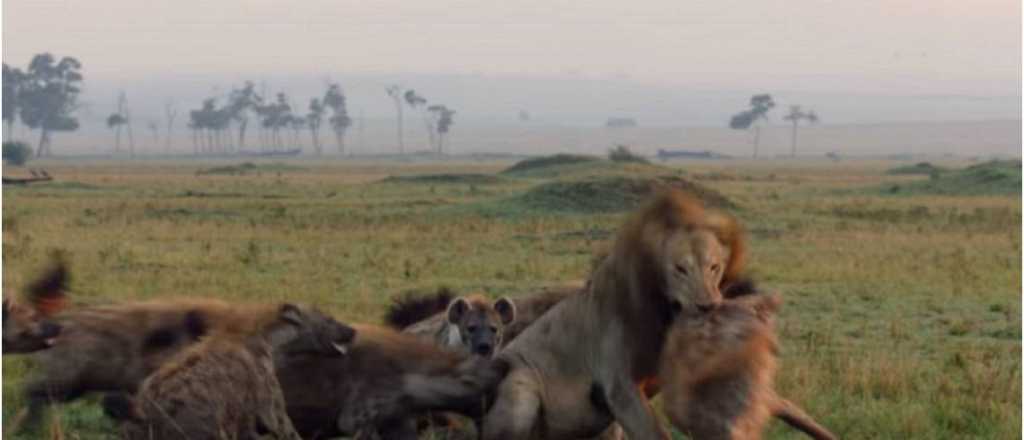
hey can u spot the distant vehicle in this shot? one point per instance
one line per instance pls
(686, 154)
(620, 122)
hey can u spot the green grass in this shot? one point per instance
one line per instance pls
(1000, 177)
(902, 316)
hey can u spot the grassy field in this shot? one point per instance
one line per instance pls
(902, 315)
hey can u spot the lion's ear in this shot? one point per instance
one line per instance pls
(506, 310)
(457, 309)
(731, 234)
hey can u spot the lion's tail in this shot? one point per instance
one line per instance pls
(413, 307)
(796, 417)
(464, 390)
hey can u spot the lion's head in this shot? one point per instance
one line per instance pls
(677, 250)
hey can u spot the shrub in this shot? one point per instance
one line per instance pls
(16, 153)
(621, 153)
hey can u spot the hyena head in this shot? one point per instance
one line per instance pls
(302, 330)
(29, 326)
(480, 323)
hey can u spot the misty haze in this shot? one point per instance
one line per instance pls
(526, 220)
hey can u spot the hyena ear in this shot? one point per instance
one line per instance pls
(47, 293)
(457, 309)
(291, 314)
(506, 310)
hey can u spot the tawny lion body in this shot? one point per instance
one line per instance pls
(225, 386)
(581, 365)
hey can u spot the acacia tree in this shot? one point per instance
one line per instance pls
(13, 83)
(117, 120)
(313, 120)
(794, 116)
(335, 100)
(443, 122)
(170, 113)
(396, 92)
(418, 102)
(760, 105)
(49, 97)
(240, 103)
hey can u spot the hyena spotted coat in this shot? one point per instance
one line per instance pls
(225, 387)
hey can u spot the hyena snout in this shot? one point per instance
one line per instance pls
(485, 348)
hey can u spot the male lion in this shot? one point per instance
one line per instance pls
(717, 373)
(225, 386)
(582, 365)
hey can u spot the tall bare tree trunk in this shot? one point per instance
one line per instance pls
(793, 143)
(44, 141)
(757, 139)
(401, 142)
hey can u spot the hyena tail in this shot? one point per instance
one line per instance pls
(121, 407)
(413, 307)
(796, 417)
(466, 390)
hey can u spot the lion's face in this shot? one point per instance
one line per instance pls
(694, 262)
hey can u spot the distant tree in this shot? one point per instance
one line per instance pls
(760, 105)
(794, 116)
(443, 122)
(339, 121)
(49, 97)
(13, 84)
(240, 103)
(16, 153)
(396, 92)
(170, 113)
(417, 102)
(204, 123)
(276, 116)
(313, 120)
(117, 120)
(154, 129)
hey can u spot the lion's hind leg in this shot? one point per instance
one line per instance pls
(516, 408)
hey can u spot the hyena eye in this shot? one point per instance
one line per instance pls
(493, 329)
(715, 268)
(472, 329)
(681, 269)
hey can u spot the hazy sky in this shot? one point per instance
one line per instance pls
(920, 46)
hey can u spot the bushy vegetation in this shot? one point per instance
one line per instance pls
(248, 168)
(448, 178)
(902, 315)
(16, 153)
(922, 168)
(609, 194)
(534, 164)
(622, 153)
(998, 177)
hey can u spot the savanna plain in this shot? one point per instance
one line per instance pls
(902, 313)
